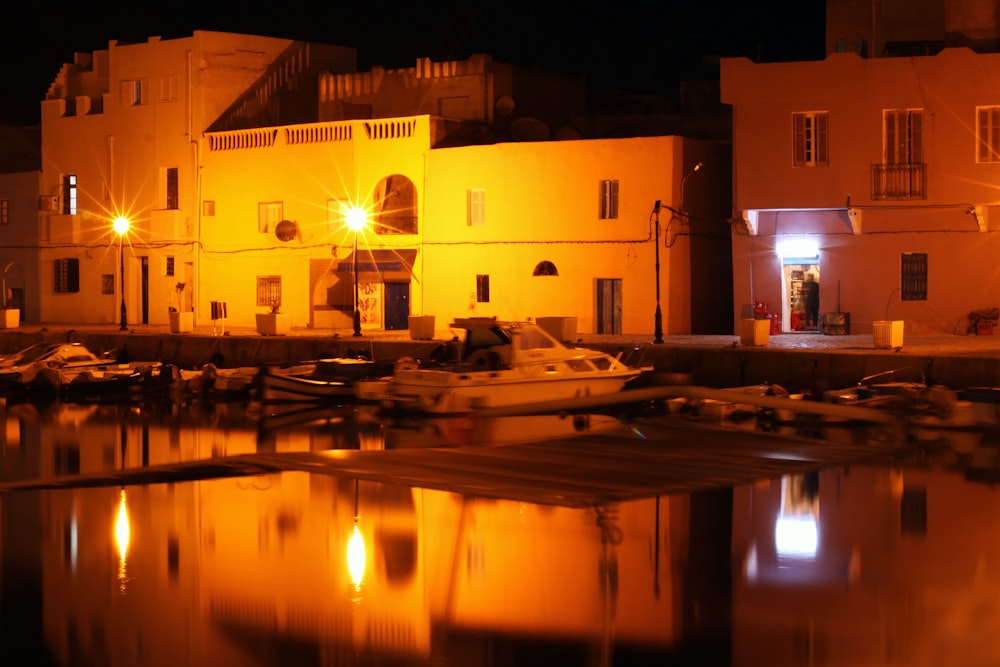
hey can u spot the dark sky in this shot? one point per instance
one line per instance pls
(619, 46)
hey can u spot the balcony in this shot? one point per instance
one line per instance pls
(899, 181)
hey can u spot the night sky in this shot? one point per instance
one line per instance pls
(621, 47)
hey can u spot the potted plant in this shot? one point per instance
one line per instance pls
(274, 323)
(181, 321)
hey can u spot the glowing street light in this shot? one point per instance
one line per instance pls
(357, 220)
(121, 226)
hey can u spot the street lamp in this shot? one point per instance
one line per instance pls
(356, 220)
(658, 315)
(121, 226)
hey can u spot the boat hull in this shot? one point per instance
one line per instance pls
(279, 388)
(444, 392)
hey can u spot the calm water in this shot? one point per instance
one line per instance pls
(885, 563)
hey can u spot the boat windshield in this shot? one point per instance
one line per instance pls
(477, 339)
(533, 339)
(30, 354)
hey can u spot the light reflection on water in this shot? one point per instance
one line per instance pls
(877, 563)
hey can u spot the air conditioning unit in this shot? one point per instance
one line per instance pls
(48, 203)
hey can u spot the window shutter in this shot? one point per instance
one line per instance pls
(891, 149)
(916, 137)
(821, 139)
(798, 140)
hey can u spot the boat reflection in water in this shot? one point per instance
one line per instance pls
(877, 563)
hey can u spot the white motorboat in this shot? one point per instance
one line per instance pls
(505, 364)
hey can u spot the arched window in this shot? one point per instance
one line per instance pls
(545, 268)
(395, 206)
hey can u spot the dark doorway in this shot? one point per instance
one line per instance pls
(609, 305)
(397, 306)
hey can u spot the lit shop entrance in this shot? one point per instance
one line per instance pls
(799, 264)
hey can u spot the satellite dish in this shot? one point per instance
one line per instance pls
(505, 105)
(529, 129)
(286, 230)
(566, 134)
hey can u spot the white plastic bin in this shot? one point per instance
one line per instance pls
(887, 334)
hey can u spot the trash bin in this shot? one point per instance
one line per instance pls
(887, 333)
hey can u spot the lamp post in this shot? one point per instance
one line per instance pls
(356, 220)
(121, 226)
(658, 315)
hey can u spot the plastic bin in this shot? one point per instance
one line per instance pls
(887, 334)
(755, 332)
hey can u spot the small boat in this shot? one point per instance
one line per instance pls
(23, 366)
(107, 383)
(506, 364)
(276, 385)
(211, 383)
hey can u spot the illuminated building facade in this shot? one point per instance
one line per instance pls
(879, 175)
(237, 160)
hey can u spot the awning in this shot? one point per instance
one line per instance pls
(388, 264)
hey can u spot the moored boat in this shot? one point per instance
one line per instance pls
(108, 383)
(277, 386)
(504, 364)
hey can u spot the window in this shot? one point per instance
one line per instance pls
(269, 291)
(545, 268)
(902, 173)
(809, 139)
(269, 214)
(134, 92)
(107, 283)
(988, 134)
(169, 87)
(208, 208)
(4, 211)
(168, 266)
(609, 200)
(904, 136)
(67, 275)
(394, 206)
(913, 278)
(476, 207)
(69, 194)
(172, 188)
(482, 288)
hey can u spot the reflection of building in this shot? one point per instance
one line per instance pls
(218, 570)
(235, 156)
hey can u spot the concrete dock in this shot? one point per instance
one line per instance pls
(794, 360)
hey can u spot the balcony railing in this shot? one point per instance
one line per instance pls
(899, 181)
